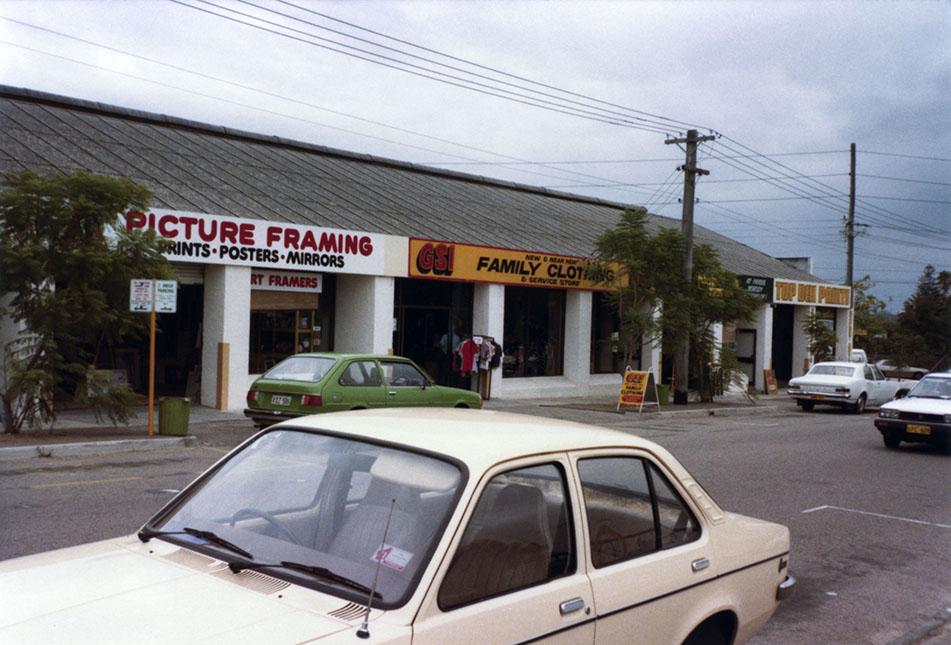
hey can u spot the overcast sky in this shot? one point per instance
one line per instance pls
(781, 79)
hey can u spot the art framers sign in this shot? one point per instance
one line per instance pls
(221, 239)
(789, 292)
(471, 263)
(281, 281)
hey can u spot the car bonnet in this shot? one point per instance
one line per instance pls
(125, 591)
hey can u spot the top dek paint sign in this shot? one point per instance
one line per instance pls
(787, 292)
(221, 239)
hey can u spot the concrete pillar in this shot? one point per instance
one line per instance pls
(843, 334)
(801, 358)
(227, 319)
(577, 368)
(488, 317)
(364, 314)
(764, 344)
(651, 352)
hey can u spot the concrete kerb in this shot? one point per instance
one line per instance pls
(81, 449)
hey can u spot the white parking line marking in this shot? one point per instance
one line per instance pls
(887, 517)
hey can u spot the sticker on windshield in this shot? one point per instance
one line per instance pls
(392, 557)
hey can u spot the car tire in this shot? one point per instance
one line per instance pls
(707, 634)
(807, 406)
(859, 406)
(891, 440)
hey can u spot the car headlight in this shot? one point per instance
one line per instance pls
(947, 418)
(888, 413)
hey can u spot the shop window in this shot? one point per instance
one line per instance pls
(287, 323)
(607, 351)
(534, 332)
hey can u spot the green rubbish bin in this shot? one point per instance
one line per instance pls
(173, 416)
(663, 393)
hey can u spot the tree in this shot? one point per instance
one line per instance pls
(66, 269)
(656, 301)
(872, 326)
(923, 336)
(821, 336)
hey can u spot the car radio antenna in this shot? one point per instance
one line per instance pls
(364, 631)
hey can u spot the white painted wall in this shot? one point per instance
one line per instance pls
(764, 344)
(363, 314)
(800, 341)
(227, 318)
(488, 317)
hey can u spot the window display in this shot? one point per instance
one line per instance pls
(534, 332)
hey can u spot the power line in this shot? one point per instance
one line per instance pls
(657, 159)
(905, 179)
(682, 124)
(895, 154)
(424, 72)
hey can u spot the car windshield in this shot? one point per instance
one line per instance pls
(322, 501)
(300, 368)
(932, 387)
(832, 370)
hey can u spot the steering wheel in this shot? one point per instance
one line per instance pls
(282, 530)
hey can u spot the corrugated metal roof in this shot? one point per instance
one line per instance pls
(205, 168)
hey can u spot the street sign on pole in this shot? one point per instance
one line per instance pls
(140, 296)
(151, 297)
(166, 296)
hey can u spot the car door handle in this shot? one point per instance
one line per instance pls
(699, 565)
(571, 606)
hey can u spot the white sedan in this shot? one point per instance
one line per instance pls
(848, 385)
(417, 526)
(923, 416)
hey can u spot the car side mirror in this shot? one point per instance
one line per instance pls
(900, 394)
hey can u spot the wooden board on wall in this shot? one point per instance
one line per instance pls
(283, 300)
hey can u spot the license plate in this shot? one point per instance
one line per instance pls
(917, 429)
(280, 399)
(817, 397)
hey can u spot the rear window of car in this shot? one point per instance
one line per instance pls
(832, 370)
(301, 368)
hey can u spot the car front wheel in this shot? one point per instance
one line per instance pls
(859, 406)
(807, 406)
(891, 441)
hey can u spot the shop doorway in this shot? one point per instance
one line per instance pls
(431, 319)
(782, 342)
(177, 349)
(746, 352)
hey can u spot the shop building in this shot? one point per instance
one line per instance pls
(281, 246)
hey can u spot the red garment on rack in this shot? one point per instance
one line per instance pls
(469, 352)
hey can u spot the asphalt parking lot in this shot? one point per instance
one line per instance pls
(871, 527)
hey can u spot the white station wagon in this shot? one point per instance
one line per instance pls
(417, 526)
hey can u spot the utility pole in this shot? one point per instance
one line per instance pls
(682, 360)
(850, 223)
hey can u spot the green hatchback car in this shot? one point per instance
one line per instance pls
(329, 382)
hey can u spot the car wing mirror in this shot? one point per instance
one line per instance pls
(901, 394)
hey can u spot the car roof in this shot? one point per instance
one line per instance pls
(840, 364)
(479, 438)
(938, 374)
(342, 355)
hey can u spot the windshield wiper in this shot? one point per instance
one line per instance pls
(317, 572)
(147, 534)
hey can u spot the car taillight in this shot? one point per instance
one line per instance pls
(842, 389)
(252, 396)
(311, 401)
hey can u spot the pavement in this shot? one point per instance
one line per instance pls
(81, 432)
